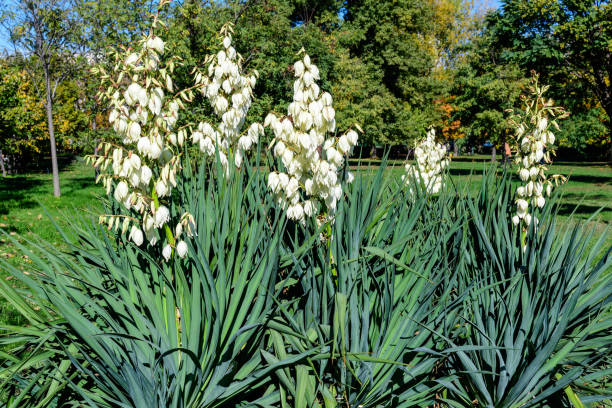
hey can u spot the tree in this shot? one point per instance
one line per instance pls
(23, 121)
(44, 35)
(568, 42)
(486, 87)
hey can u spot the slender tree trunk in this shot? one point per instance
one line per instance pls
(493, 153)
(2, 164)
(373, 154)
(94, 126)
(49, 106)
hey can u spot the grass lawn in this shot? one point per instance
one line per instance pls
(22, 198)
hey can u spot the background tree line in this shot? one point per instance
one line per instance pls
(396, 67)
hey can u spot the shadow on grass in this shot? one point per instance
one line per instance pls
(14, 192)
(583, 211)
(20, 191)
(581, 178)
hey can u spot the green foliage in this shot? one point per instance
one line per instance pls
(535, 318)
(127, 330)
(23, 121)
(486, 89)
(568, 43)
(373, 299)
(410, 301)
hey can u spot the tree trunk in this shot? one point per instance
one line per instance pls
(455, 149)
(94, 127)
(2, 164)
(49, 106)
(373, 154)
(493, 153)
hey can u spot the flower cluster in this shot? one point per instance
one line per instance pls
(534, 147)
(431, 160)
(311, 161)
(144, 167)
(230, 94)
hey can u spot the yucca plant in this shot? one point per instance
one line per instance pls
(370, 300)
(118, 328)
(531, 311)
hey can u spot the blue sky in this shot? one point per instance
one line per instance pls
(481, 4)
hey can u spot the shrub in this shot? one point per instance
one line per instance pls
(392, 297)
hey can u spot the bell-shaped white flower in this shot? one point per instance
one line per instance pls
(136, 235)
(181, 248)
(156, 43)
(162, 216)
(167, 252)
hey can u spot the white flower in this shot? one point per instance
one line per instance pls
(136, 235)
(131, 59)
(524, 174)
(522, 207)
(295, 212)
(167, 252)
(121, 191)
(343, 144)
(161, 188)
(352, 137)
(162, 216)
(430, 158)
(156, 43)
(298, 68)
(300, 142)
(134, 131)
(273, 182)
(181, 249)
(230, 93)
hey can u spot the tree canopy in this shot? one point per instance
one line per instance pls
(396, 67)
